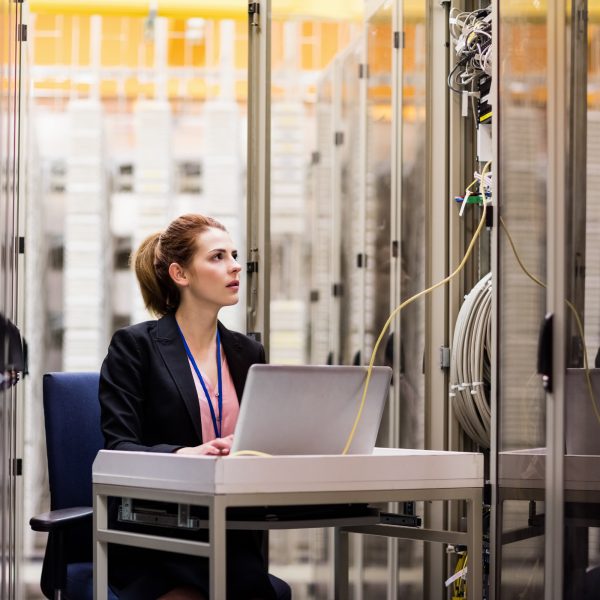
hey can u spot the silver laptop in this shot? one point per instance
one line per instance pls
(310, 409)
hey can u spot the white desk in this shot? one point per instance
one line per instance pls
(218, 483)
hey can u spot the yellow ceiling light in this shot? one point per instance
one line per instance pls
(331, 10)
(221, 9)
(341, 10)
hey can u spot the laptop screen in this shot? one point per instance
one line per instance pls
(310, 409)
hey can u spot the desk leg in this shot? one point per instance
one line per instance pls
(100, 549)
(218, 549)
(340, 562)
(475, 543)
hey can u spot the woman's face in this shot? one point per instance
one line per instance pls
(213, 275)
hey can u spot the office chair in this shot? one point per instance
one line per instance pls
(73, 438)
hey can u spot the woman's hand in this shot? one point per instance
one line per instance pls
(217, 447)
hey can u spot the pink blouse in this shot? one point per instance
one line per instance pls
(231, 405)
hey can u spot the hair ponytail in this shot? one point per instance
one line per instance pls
(143, 263)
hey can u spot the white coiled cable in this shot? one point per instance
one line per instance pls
(470, 362)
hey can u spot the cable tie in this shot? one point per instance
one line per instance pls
(462, 573)
(464, 203)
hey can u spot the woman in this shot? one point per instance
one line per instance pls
(174, 385)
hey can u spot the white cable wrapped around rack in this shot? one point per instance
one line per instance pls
(470, 363)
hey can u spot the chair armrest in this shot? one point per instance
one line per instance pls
(57, 519)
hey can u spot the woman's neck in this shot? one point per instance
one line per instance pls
(199, 326)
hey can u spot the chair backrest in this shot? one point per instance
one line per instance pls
(73, 436)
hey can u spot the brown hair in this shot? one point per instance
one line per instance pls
(151, 261)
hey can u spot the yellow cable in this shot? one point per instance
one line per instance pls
(412, 299)
(249, 453)
(458, 587)
(573, 311)
(517, 256)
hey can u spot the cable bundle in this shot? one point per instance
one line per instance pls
(471, 34)
(470, 370)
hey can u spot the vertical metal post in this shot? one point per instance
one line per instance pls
(475, 545)
(438, 239)
(100, 548)
(340, 552)
(395, 262)
(19, 311)
(495, 520)
(362, 183)
(577, 176)
(95, 49)
(557, 203)
(335, 263)
(218, 549)
(358, 541)
(161, 60)
(258, 209)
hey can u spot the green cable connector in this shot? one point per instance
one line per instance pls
(473, 199)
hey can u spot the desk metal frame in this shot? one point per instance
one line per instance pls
(217, 505)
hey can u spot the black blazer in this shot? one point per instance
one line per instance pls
(147, 394)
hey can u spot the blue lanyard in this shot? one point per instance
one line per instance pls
(218, 428)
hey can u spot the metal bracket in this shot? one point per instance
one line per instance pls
(582, 20)
(444, 357)
(125, 510)
(21, 244)
(254, 12)
(22, 32)
(17, 467)
(363, 71)
(252, 267)
(338, 138)
(544, 357)
(314, 295)
(183, 515)
(338, 290)
(399, 39)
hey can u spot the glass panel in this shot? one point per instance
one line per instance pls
(582, 405)
(521, 399)
(378, 237)
(413, 225)
(351, 311)
(137, 121)
(378, 199)
(322, 227)
(308, 176)
(413, 268)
